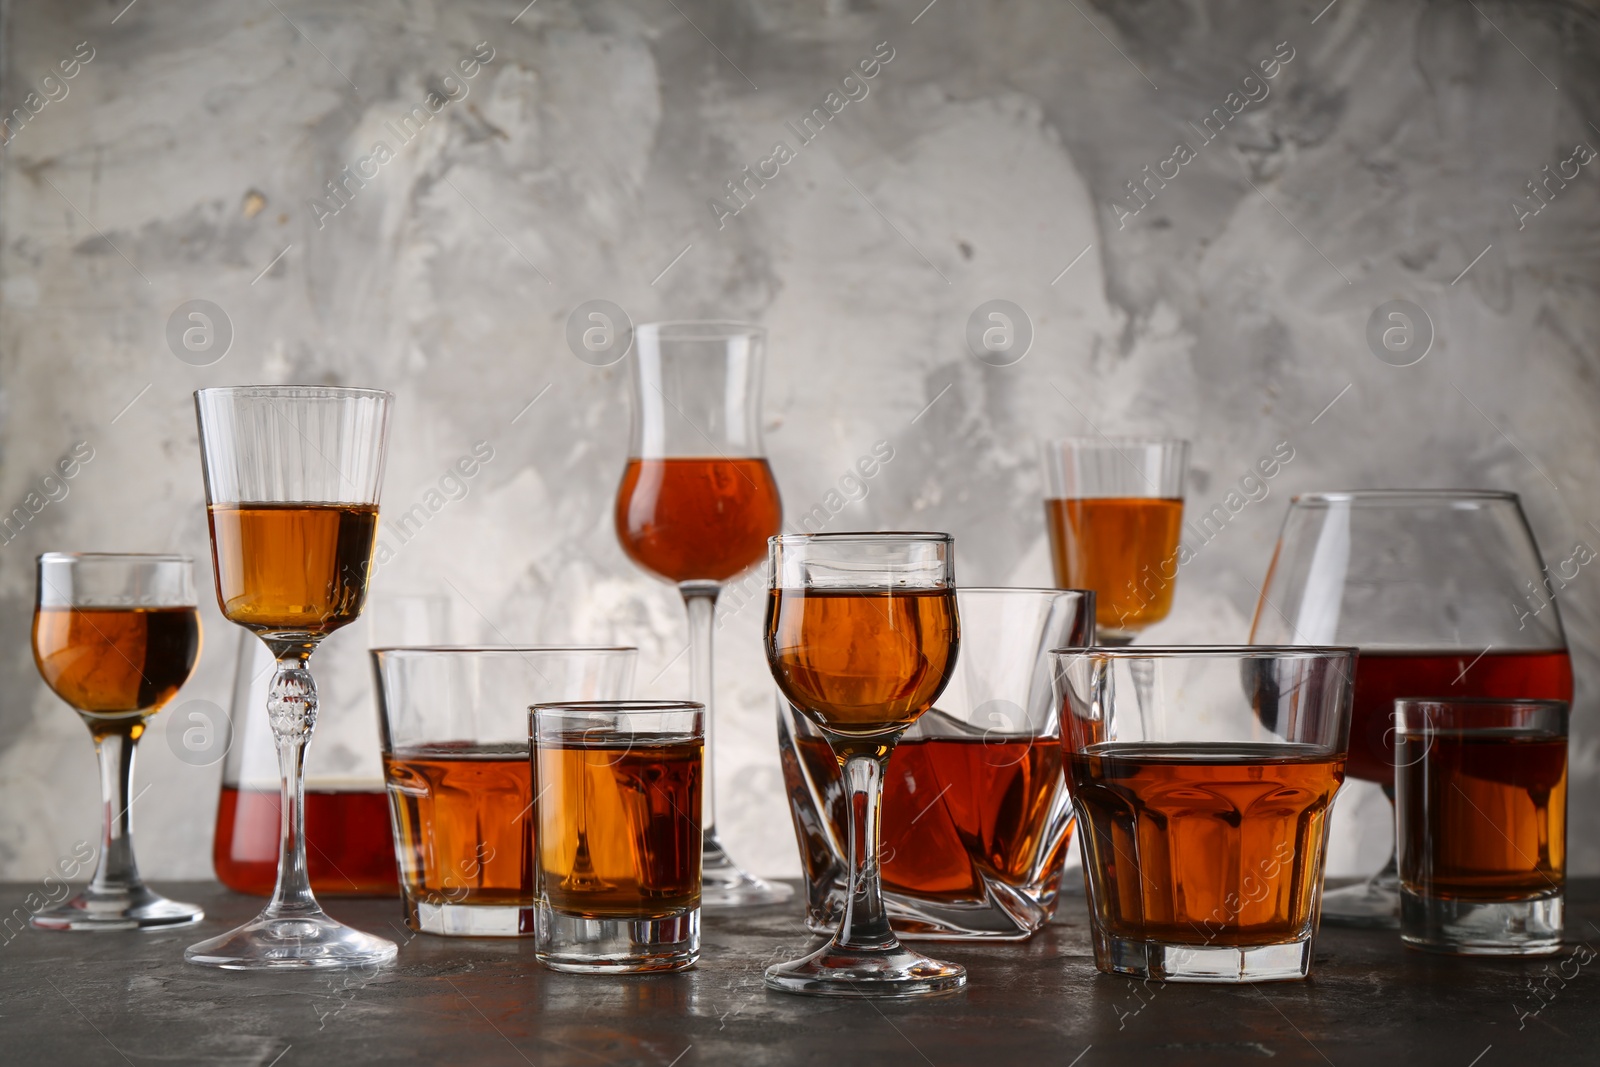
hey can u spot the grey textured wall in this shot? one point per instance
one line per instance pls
(188, 159)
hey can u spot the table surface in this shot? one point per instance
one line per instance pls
(128, 998)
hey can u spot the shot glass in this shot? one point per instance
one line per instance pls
(1481, 822)
(453, 722)
(1203, 778)
(617, 857)
(975, 818)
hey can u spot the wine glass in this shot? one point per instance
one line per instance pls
(116, 636)
(1444, 593)
(1114, 509)
(696, 506)
(861, 634)
(292, 476)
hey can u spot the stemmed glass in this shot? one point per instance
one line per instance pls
(116, 636)
(696, 506)
(1445, 595)
(292, 478)
(861, 634)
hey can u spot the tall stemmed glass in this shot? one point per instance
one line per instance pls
(1443, 591)
(116, 636)
(292, 478)
(862, 633)
(696, 506)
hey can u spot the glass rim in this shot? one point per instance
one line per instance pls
(135, 557)
(1205, 651)
(498, 649)
(866, 538)
(630, 706)
(704, 329)
(1112, 440)
(1378, 496)
(310, 392)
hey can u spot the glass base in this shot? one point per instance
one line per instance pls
(470, 920)
(580, 945)
(896, 972)
(290, 940)
(1167, 962)
(1482, 927)
(724, 886)
(135, 907)
(1369, 905)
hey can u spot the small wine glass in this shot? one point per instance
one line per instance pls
(1444, 593)
(696, 505)
(116, 636)
(292, 477)
(861, 635)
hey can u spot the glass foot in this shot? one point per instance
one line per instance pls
(724, 886)
(132, 908)
(1370, 905)
(896, 971)
(291, 940)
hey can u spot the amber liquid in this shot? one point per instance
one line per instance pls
(862, 662)
(956, 812)
(693, 519)
(1200, 843)
(1125, 549)
(116, 663)
(619, 827)
(464, 822)
(349, 850)
(1495, 826)
(292, 568)
(1384, 675)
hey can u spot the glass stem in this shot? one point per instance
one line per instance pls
(117, 870)
(292, 709)
(866, 921)
(700, 598)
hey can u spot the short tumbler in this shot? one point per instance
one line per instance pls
(1203, 778)
(617, 808)
(1481, 822)
(454, 726)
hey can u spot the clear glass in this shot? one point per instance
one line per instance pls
(453, 723)
(1481, 825)
(1203, 778)
(695, 507)
(292, 477)
(976, 821)
(1114, 509)
(618, 843)
(116, 636)
(862, 632)
(1445, 593)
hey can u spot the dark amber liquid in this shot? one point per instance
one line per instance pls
(1125, 549)
(1495, 804)
(862, 662)
(1384, 675)
(349, 849)
(619, 827)
(693, 519)
(956, 811)
(292, 568)
(1203, 843)
(116, 663)
(464, 818)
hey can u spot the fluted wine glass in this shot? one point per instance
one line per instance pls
(696, 506)
(292, 478)
(116, 636)
(1444, 593)
(861, 635)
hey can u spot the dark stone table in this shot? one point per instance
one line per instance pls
(128, 998)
